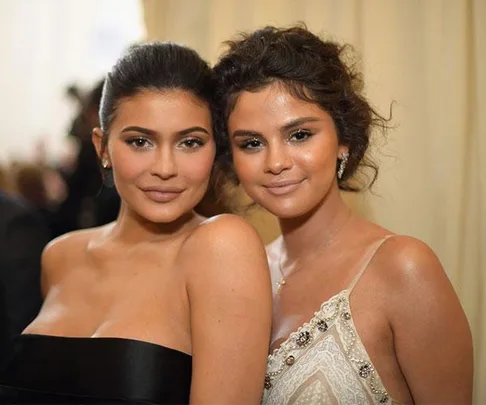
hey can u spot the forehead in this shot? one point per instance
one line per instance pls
(168, 108)
(273, 104)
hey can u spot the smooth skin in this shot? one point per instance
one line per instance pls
(161, 273)
(407, 314)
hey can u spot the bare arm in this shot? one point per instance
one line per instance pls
(230, 302)
(432, 337)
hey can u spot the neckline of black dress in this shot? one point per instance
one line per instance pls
(100, 338)
(59, 369)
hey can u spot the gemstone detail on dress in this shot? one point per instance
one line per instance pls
(365, 370)
(303, 338)
(322, 326)
(334, 313)
(384, 398)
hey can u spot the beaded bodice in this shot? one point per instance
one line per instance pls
(324, 361)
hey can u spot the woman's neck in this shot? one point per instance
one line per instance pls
(130, 228)
(302, 237)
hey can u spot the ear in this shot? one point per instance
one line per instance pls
(101, 150)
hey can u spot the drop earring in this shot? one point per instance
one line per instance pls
(105, 164)
(342, 165)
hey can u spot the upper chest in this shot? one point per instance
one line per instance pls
(304, 294)
(103, 294)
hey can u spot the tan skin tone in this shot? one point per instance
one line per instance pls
(161, 273)
(404, 307)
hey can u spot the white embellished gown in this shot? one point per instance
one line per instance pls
(324, 362)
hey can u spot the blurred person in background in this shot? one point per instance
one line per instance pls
(7, 183)
(43, 188)
(23, 235)
(88, 201)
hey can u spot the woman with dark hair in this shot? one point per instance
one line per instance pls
(360, 316)
(161, 306)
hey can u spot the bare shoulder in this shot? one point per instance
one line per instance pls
(406, 259)
(412, 273)
(65, 249)
(223, 246)
(420, 303)
(224, 232)
(228, 222)
(64, 246)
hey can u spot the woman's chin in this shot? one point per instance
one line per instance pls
(287, 211)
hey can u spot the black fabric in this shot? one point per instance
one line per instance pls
(23, 235)
(49, 369)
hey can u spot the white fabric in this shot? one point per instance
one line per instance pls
(327, 370)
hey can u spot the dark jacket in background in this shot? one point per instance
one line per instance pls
(23, 235)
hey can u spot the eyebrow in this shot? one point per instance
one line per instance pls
(147, 131)
(192, 129)
(245, 132)
(142, 130)
(297, 123)
(284, 128)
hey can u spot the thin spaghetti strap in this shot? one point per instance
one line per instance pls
(368, 257)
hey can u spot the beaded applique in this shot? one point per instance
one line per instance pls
(334, 313)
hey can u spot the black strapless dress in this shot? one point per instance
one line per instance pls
(55, 370)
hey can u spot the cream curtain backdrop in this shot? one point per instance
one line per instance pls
(430, 58)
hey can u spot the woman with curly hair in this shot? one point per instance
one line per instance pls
(361, 315)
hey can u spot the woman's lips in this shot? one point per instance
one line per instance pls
(283, 187)
(162, 194)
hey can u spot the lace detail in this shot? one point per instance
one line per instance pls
(315, 393)
(324, 362)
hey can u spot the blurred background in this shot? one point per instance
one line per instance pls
(428, 57)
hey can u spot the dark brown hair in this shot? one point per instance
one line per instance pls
(159, 66)
(312, 70)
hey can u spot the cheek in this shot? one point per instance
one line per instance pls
(247, 166)
(320, 160)
(197, 167)
(127, 165)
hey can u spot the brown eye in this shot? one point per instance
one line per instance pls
(138, 143)
(300, 135)
(251, 144)
(192, 143)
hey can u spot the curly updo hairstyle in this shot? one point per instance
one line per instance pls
(312, 70)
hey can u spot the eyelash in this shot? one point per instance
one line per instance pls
(305, 132)
(133, 142)
(188, 143)
(196, 143)
(246, 145)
